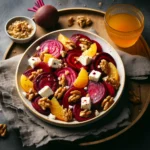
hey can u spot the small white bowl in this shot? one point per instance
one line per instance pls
(29, 20)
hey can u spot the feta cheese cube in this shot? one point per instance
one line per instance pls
(46, 91)
(94, 75)
(84, 60)
(33, 61)
(51, 116)
(86, 103)
(38, 48)
(96, 113)
(54, 63)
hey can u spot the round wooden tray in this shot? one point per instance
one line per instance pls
(141, 89)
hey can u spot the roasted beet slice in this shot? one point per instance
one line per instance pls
(44, 79)
(28, 72)
(76, 112)
(38, 108)
(54, 47)
(44, 66)
(69, 73)
(95, 63)
(110, 89)
(71, 59)
(97, 92)
(99, 48)
(67, 95)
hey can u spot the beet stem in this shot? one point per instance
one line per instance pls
(31, 9)
(36, 4)
(42, 2)
(38, 1)
(35, 7)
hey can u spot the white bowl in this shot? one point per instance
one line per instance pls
(23, 65)
(29, 20)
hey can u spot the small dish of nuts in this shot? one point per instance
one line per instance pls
(20, 29)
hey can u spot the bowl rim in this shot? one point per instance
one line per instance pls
(129, 5)
(22, 17)
(62, 123)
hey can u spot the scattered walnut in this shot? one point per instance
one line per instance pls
(44, 103)
(20, 29)
(31, 94)
(134, 98)
(34, 74)
(84, 44)
(3, 130)
(107, 102)
(85, 113)
(67, 115)
(43, 52)
(112, 81)
(104, 66)
(59, 92)
(70, 21)
(74, 96)
(70, 45)
(83, 21)
(62, 80)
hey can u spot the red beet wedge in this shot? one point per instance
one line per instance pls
(70, 76)
(44, 66)
(97, 92)
(46, 79)
(110, 89)
(97, 60)
(38, 108)
(67, 95)
(76, 112)
(71, 59)
(54, 47)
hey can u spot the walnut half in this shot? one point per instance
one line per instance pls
(3, 130)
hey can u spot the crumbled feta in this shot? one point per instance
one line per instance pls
(70, 107)
(84, 60)
(54, 63)
(33, 61)
(51, 116)
(46, 91)
(96, 113)
(86, 103)
(38, 48)
(24, 94)
(94, 75)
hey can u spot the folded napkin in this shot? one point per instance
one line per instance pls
(34, 131)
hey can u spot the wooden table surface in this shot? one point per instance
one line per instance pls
(135, 138)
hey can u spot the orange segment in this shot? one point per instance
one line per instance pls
(82, 79)
(63, 39)
(26, 84)
(91, 52)
(56, 109)
(47, 57)
(113, 72)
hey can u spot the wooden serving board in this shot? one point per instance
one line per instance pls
(141, 89)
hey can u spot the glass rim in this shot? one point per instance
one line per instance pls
(126, 32)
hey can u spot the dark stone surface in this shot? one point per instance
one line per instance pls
(138, 137)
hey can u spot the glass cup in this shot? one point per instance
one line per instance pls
(124, 24)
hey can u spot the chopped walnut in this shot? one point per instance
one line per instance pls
(34, 74)
(67, 115)
(84, 44)
(44, 103)
(31, 94)
(112, 81)
(43, 52)
(134, 98)
(70, 45)
(104, 66)
(74, 96)
(107, 102)
(62, 80)
(3, 130)
(60, 92)
(83, 21)
(85, 113)
(20, 29)
(70, 21)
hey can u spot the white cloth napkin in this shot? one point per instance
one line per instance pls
(34, 131)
